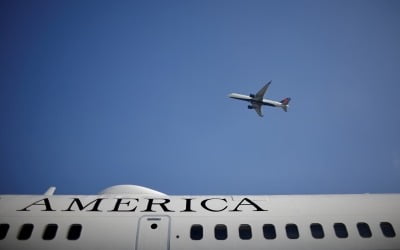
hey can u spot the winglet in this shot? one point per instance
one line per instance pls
(50, 191)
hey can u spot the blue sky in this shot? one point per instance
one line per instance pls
(99, 93)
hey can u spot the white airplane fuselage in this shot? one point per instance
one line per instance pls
(257, 100)
(155, 221)
(252, 100)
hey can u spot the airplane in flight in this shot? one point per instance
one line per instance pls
(129, 217)
(257, 100)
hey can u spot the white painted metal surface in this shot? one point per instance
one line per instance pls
(126, 221)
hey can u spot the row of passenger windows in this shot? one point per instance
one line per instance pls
(49, 232)
(292, 231)
(220, 231)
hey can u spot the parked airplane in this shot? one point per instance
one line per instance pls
(257, 100)
(138, 218)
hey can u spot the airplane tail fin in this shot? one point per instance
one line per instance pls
(285, 103)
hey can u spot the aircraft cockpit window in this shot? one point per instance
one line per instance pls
(245, 232)
(220, 232)
(50, 231)
(317, 231)
(3, 230)
(364, 230)
(25, 232)
(387, 230)
(196, 232)
(292, 231)
(340, 230)
(269, 231)
(74, 232)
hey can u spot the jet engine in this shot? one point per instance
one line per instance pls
(252, 95)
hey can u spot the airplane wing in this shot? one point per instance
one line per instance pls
(257, 108)
(260, 94)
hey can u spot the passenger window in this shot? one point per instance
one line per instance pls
(245, 232)
(387, 229)
(364, 230)
(317, 231)
(25, 232)
(220, 232)
(3, 230)
(340, 230)
(50, 232)
(269, 231)
(292, 231)
(196, 232)
(74, 232)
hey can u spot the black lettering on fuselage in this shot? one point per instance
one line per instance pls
(81, 207)
(162, 204)
(188, 207)
(43, 202)
(214, 205)
(248, 203)
(119, 202)
(205, 206)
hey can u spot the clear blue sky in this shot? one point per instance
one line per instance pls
(98, 93)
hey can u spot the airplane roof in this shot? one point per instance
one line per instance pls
(130, 189)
